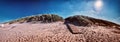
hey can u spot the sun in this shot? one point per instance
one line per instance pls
(98, 5)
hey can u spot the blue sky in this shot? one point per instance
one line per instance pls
(13, 9)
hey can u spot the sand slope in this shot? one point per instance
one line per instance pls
(56, 32)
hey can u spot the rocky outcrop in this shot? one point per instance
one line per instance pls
(45, 18)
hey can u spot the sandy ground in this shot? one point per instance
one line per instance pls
(56, 32)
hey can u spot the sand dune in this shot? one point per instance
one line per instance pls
(56, 32)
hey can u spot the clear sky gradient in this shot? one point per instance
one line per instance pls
(13, 9)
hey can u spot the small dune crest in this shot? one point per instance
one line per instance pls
(45, 18)
(81, 20)
(78, 20)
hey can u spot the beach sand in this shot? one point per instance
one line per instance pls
(56, 32)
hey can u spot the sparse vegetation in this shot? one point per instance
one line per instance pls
(45, 18)
(88, 21)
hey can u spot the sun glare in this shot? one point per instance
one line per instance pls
(98, 5)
